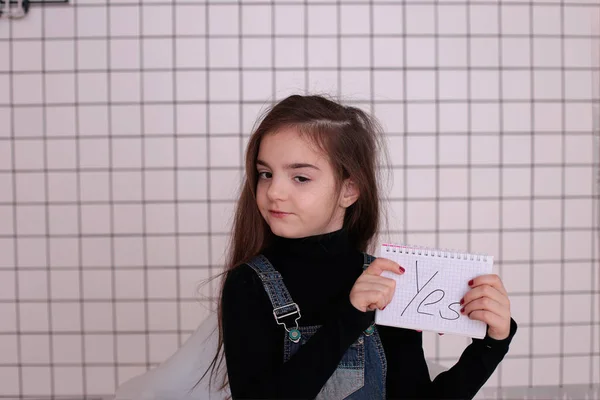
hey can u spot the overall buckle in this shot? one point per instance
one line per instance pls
(293, 333)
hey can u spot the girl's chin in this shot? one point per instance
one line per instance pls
(288, 232)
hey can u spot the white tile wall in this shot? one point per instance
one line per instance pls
(122, 129)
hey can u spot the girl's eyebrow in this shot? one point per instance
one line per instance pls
(290, 166)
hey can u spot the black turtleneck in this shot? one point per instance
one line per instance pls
(319, 272)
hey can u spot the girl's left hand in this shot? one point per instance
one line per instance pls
(487, 301)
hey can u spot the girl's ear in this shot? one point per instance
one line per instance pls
(349, 193)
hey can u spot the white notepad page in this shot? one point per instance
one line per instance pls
(428, 294)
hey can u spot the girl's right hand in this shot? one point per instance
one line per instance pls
(371, 290)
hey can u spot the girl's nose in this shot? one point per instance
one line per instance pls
(276, 190)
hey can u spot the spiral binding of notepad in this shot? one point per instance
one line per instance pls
(431, 252)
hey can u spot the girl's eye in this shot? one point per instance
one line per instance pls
(301, 179)
(264, 175)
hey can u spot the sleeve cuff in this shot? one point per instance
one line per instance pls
(504, 343)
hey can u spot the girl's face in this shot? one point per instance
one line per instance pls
(296, 191)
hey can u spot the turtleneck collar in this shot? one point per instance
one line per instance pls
(328, 245)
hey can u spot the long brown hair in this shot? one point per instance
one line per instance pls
(350, 138)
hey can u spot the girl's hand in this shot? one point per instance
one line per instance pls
(371, 291)
(487, 301)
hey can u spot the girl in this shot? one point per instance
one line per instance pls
(298, 299)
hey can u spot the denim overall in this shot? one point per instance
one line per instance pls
(360, 375)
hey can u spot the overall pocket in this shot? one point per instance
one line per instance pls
(350, 373)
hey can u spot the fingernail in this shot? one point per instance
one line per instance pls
(402, 270)
(470, 282)
(462, 301)
(462, 310)
(441, 334)
(383, 308)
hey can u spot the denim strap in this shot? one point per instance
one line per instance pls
(368, 259)
(282, 302)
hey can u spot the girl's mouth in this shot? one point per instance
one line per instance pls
(278, 214)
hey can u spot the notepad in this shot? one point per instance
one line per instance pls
(428, 294)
